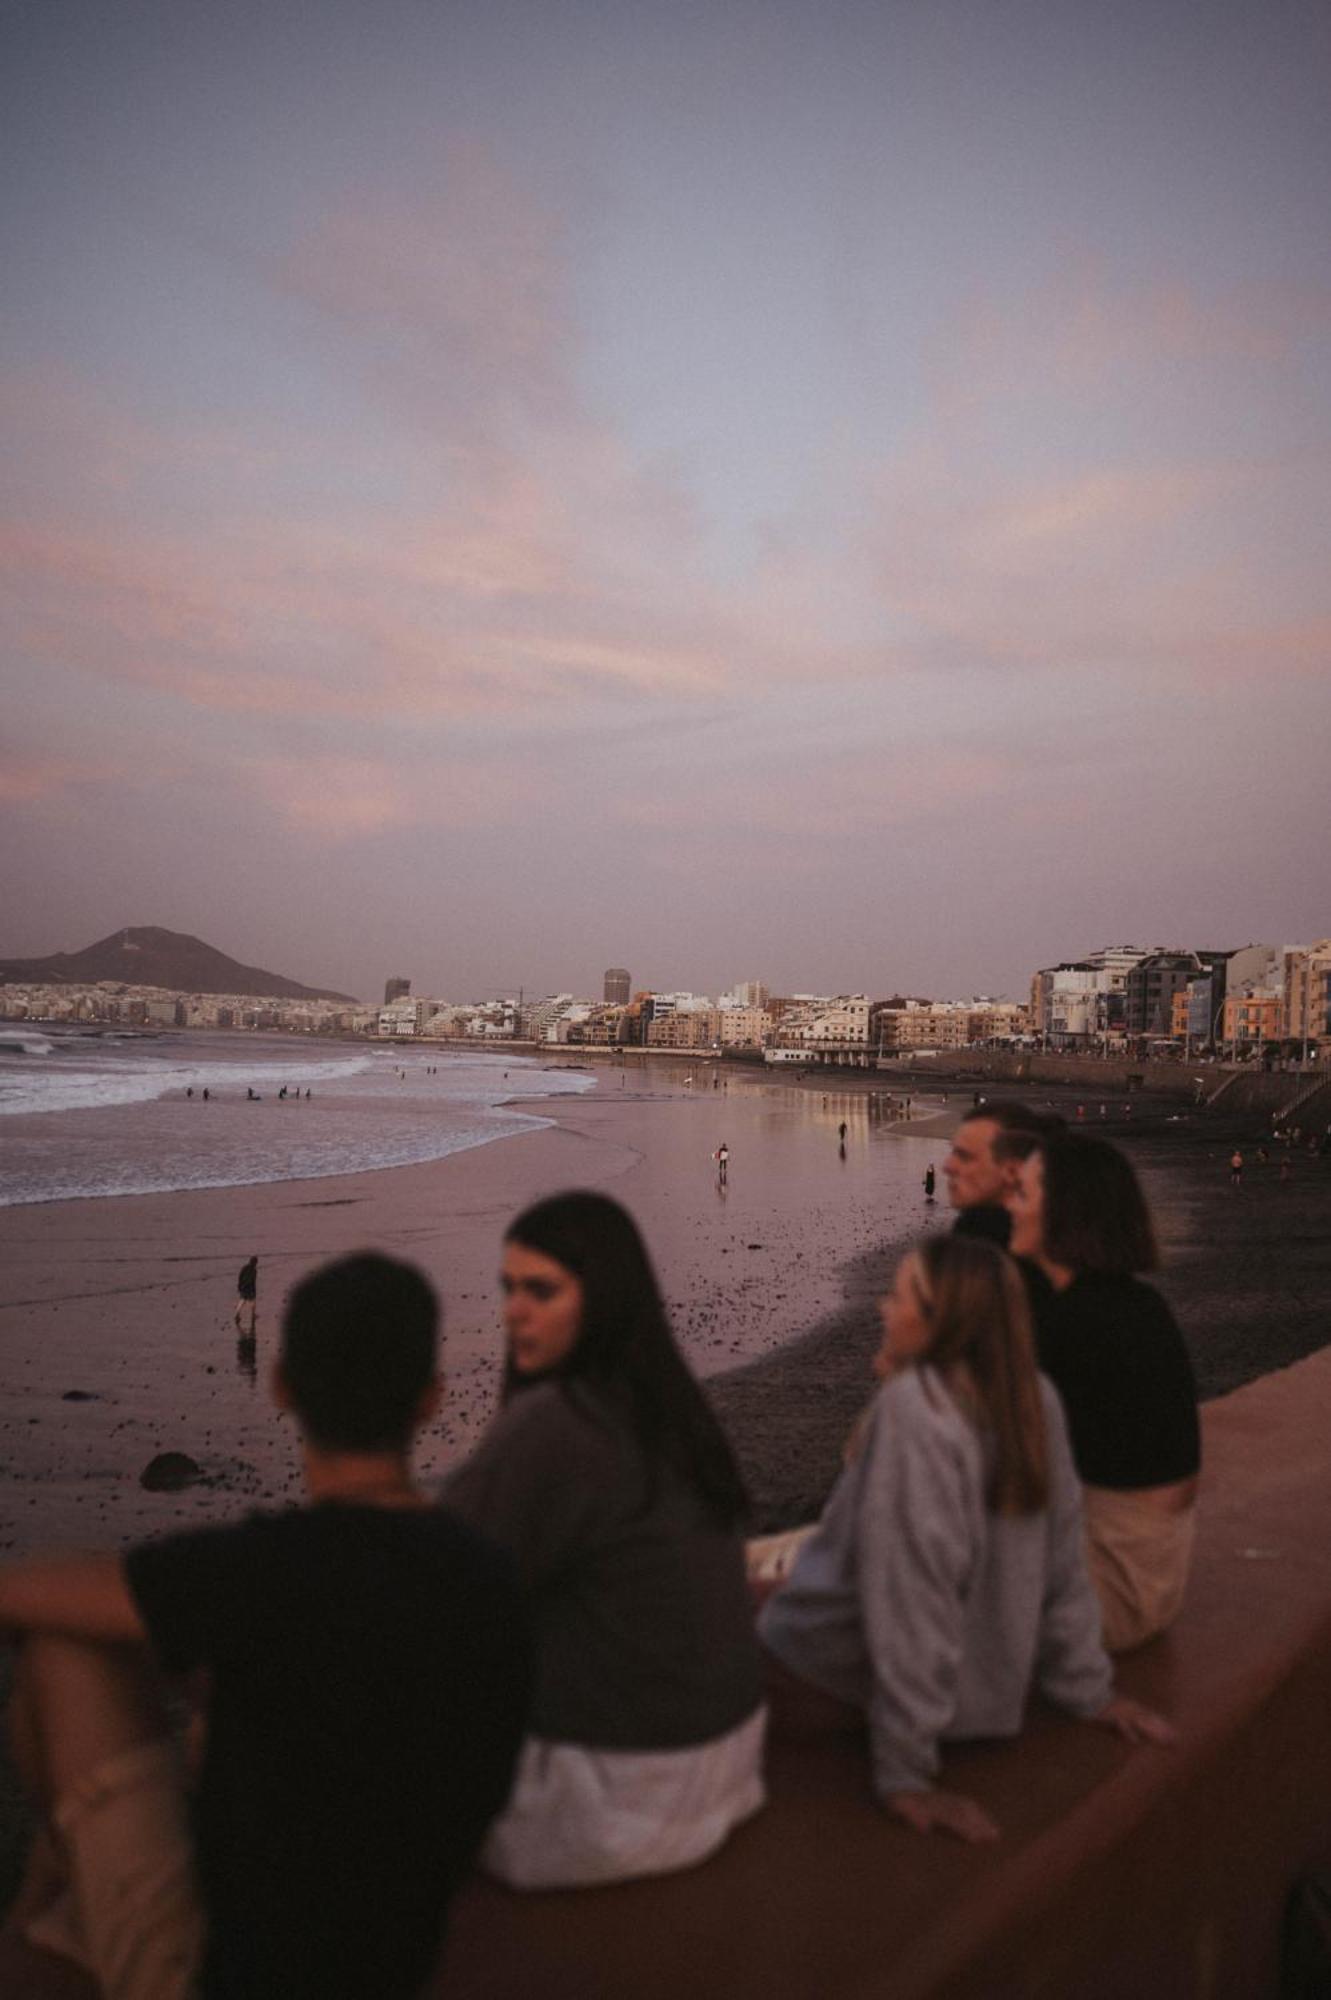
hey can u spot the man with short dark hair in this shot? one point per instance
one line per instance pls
(367, 1671)
(980, 1173)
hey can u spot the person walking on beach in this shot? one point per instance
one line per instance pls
(722, 1158)
(367, 1665)
(930, 1181)
(1236, 1168)
(247, 1299)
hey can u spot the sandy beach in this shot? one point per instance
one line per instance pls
(116, 1313)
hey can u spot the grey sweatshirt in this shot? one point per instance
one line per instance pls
(915, 1603)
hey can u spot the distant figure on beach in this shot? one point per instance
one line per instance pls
(366, 1670)
(1112, 1348)
(247, 1299)
(1236, 1168)
(930, 1181)
(189, 1092)
(947, 1573)
(252, 1094)
(722, 1158)
(611, 1482)
(205, 1093)
(978, 1182)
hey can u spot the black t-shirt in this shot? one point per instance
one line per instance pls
(1113, 1350)
(370, 1678)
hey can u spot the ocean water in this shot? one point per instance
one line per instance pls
(107, 1115)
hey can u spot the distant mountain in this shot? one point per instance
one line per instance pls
(145, 956)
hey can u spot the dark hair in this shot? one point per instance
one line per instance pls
(978, 1318)
(1095, 1214)
(359, 1344)
(625, 1344)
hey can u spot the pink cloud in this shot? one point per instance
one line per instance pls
(27, 779)
(332, 798)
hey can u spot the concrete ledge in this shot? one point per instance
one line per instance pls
(1120, 1871)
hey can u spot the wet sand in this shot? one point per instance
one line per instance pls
(116, 1314)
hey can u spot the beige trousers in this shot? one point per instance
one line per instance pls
(1138, 1555)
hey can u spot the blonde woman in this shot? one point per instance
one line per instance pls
(946, 1576)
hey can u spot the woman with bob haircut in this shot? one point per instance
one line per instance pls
(947, 1573)
(608, 1478)
(1113, 1350)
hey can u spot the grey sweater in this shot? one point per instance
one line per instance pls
(915, 1603)
(643, 1625)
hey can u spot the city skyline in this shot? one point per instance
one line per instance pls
(784, 492)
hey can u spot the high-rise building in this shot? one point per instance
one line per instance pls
(617, 987)
(396, 989)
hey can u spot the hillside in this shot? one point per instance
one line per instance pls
(146, 956)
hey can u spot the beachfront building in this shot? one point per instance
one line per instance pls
(403, 1016)
(1306, 999)
(812, 1022)
(742, 1027)
(617, 987)
(606, 1027)
(396, 988)
(1081, 1003)
(552, 1020)
(696, 1027)
(748, 993)
(1250, 1020)
(1148, 994)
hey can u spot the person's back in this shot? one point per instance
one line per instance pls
(644, 1636)
(364, 1664)
(368, 1690)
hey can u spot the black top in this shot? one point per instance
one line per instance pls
(369, 1689)
(643, 1623)
(247, 1284)
(1113, 1350)
(987, 1220)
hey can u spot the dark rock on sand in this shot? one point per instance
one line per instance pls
(170, 1472)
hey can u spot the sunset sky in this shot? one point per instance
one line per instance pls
(835, 494)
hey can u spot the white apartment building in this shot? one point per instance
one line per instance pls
(812, 1022)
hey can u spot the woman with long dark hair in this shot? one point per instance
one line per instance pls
(610, 1481)
(1113, 1350)
(947, 1573)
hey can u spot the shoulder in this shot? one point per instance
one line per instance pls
(916, 1408)
(555, 1414)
